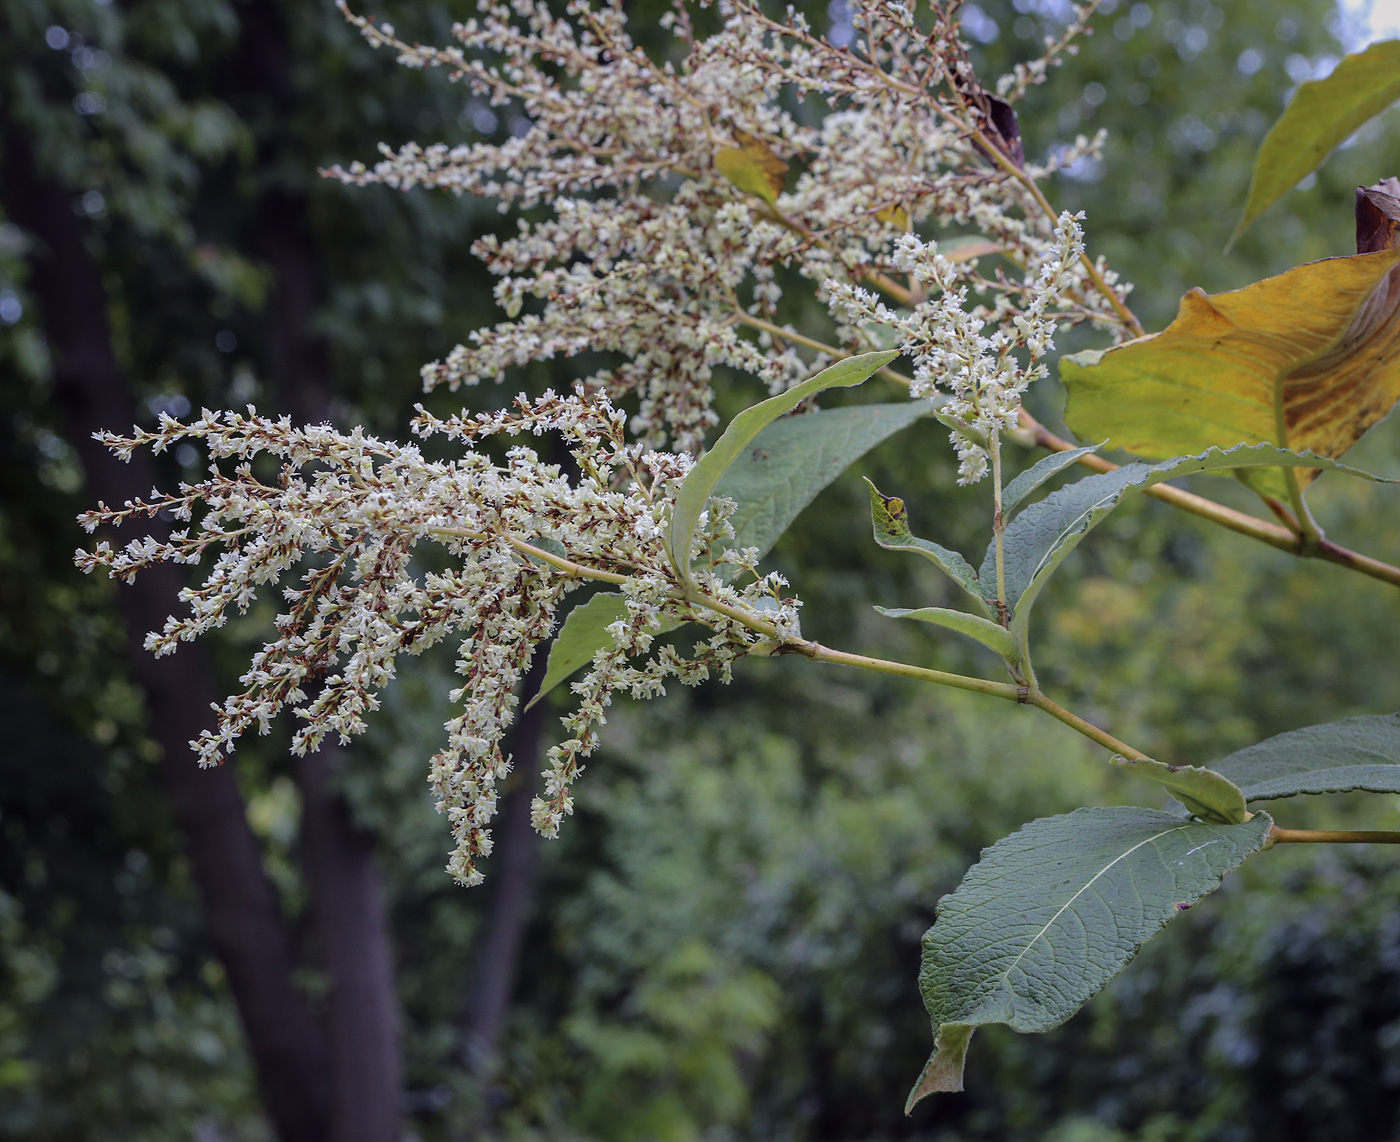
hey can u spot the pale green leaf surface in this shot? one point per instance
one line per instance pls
(889, 519)
(1320, 116)
(1053, 912)
(700, 482)
(796, 457)
(1040, 538)
(988, 633)
(1036, 475)
(1206, 793)
(584, 633)
(1355, 753)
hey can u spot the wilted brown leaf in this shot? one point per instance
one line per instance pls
(1377, 215)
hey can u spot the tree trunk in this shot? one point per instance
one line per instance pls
(241, 909)
(352, 922)
(348, 899)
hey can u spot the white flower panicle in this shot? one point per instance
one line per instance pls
(670, 231)
(653, 254)
(350, 515)
(983, 374)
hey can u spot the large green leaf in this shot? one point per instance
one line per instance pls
(1322, 114)
(1050, 914)
(796, 457)
(1307, 360)
(1355, 753)
(1038, 540)
(700, 482)
(890, 522)
(584, 633)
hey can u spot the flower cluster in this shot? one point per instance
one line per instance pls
(653, 254)
(351, 512)
(675, 238)
(982, 374)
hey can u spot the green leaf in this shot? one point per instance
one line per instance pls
(1355, 753)
(1053, 912)
(1307, 360)
(1322, 114)
(1034, 476)
(1207, 794)
(795, 458)
(700, 483)
(1040, 538)
(890, 522)
(988, 633)
(584, 633)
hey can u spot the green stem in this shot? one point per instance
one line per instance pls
(1309, 534)
(812, 343)
(568, 566)
(998, 527)
(1088, 729)
(819, 653)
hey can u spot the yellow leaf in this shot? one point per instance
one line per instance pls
(753, 167)
(1307, 360)
(894, 215)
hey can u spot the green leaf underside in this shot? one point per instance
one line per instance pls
(1052, 913)
(1039, 539)
(1206, 793)
(1319, 117)
(1335, 757)
(700, 483)
(794, 458)
(890, 521)
(1034, 476)
(988, 633)
(584, 633)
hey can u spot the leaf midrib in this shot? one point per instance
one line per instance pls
(1005, 975)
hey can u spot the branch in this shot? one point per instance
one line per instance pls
(1279, 836)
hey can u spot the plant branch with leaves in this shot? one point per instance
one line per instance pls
(680, 201)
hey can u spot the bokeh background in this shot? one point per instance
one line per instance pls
(724, 942)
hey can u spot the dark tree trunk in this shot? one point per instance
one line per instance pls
(241, 909)
(352, 923)
(348, 899)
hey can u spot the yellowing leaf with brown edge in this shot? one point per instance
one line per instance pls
(1307, 361)
(753, 167)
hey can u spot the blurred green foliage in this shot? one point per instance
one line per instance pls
(725, 940)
